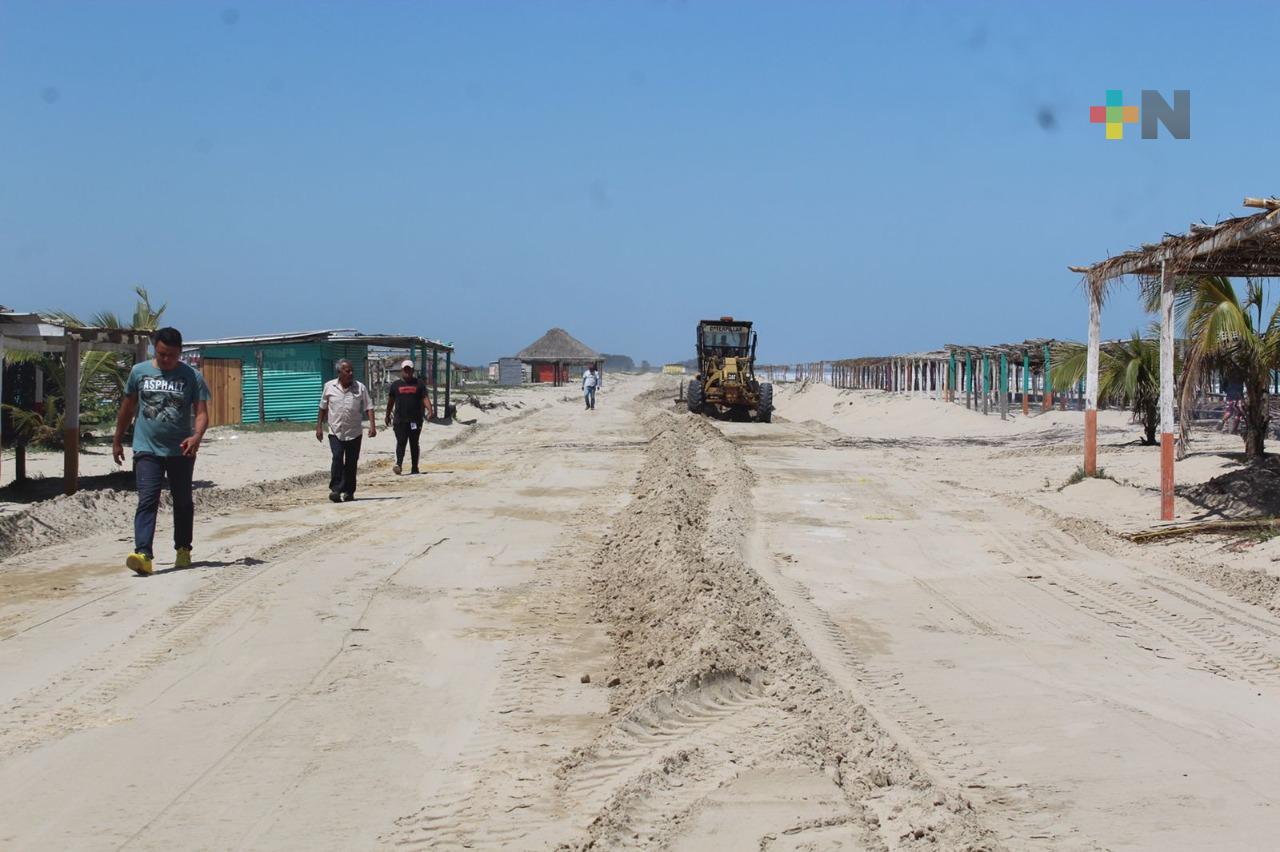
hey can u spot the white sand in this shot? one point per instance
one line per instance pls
(870, 625)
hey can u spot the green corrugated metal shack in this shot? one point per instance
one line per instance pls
(293, 370)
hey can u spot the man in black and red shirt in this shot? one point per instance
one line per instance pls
(407, 403)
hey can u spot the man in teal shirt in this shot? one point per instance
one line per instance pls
(163, 393)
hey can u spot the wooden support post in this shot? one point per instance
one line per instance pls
(968, 380)
(435, 379)
(448, 378)
(1004, 386)
(1046, 381)
(71, 417)
(1026, 383)
(1091, 379)
(1166, 392)
(986, 384)
(262, 390)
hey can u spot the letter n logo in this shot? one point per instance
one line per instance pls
(1176, 119)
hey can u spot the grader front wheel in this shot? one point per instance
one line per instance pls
(694, 396)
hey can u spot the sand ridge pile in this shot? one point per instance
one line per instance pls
(87, 512)
(691, 619)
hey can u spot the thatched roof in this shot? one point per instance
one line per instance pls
(558, 345)
(1239, 247)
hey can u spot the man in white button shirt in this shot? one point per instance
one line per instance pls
(344, 402)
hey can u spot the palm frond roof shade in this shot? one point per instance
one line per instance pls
(1242, 246)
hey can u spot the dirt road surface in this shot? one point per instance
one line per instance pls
(636, 628)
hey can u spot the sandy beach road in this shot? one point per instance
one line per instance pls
(324, 671)
(1081, 694)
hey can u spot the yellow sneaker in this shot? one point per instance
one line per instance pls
(184, 558)
(139, 563)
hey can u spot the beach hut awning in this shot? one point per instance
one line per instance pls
(30, 332)
(1244, 246)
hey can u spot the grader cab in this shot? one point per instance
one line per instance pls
(726, 381)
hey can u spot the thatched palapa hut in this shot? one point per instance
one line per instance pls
(551, 356)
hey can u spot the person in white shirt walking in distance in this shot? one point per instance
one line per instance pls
(590, 381)
(344, 402)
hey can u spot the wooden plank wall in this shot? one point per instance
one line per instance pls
(223, 375)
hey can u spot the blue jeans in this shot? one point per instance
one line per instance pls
(149, 472)
(590, 395)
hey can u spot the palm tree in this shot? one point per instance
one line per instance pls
(1221, 331)
(1128, 375)
(145, 316)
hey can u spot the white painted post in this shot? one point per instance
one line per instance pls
(1166, 392)
(1091, 379)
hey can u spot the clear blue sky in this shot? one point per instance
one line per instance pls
(856, 177)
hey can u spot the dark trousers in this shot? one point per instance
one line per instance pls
(149, 471)
(342, 473)
(590, 395)
(407, 433)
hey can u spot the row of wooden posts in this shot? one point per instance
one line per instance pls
(813, 371)
(983, 381)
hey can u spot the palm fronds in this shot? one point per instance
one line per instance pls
(1128, 375)
(1220, 331)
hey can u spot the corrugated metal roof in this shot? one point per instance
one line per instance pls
(285, 337)
(333, 335)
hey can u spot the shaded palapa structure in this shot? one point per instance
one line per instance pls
(1243, 246)
(550, 356)
(32, 332)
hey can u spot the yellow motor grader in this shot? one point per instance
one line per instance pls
(726, 381)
